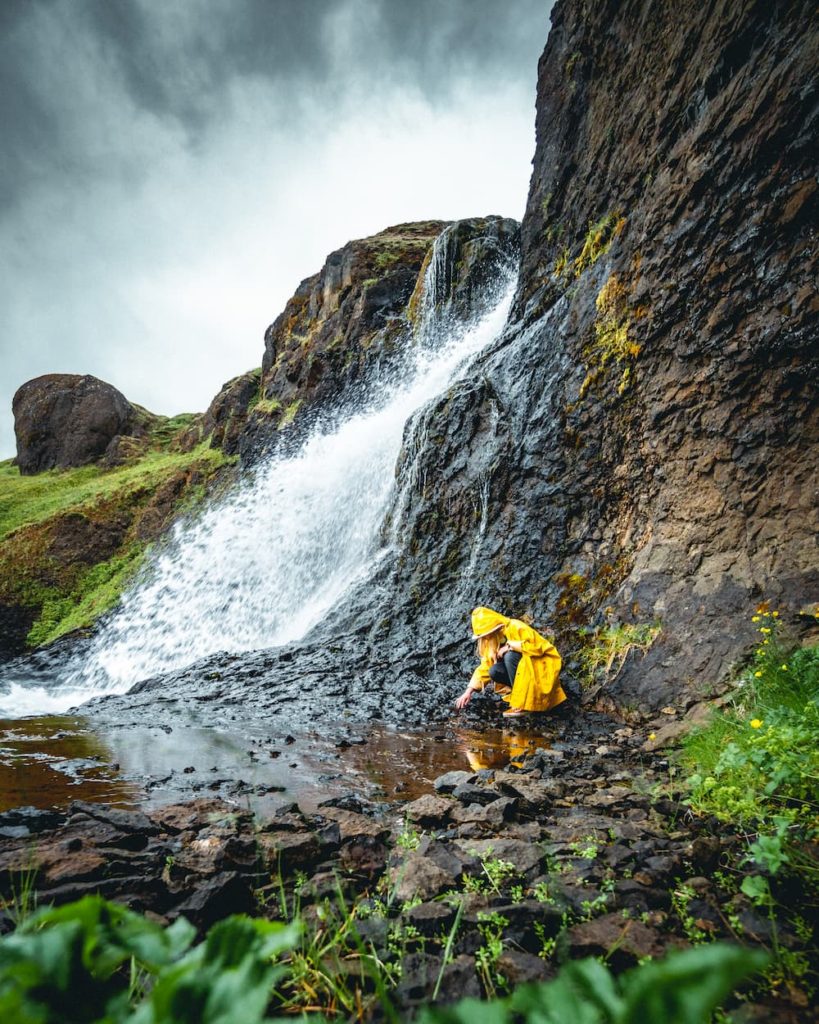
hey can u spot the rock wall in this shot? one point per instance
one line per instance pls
(642, 446)
(639, 447)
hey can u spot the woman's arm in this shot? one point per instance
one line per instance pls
(480, 677)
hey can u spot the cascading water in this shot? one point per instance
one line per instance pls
(260, 567)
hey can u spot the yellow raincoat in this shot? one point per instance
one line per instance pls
(536, 686)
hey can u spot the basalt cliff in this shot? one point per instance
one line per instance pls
(635, 455)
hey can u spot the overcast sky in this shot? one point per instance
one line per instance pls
(171, 169)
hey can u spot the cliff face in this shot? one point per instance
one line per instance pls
(635, 460)
(684, 441)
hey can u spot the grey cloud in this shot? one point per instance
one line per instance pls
(141, 137)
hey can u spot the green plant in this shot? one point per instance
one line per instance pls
(88, 961)
(683, 988)
(23, 888)
(606, 648)
(681, 897)
(490, 925)
(409, 838)
(586, 848)
(498, 871)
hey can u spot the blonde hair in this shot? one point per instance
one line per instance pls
(488, 645)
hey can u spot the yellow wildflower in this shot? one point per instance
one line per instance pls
(652, 736)
(754, 618)
(784, 668)
(775, 614)
(757, 674)
(764, 629)
(755, 723)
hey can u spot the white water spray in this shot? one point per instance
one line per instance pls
(260, 567)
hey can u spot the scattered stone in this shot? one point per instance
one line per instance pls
(469, 794)
(623, 942)
(429, 810)
(448, 782)
(419, 876)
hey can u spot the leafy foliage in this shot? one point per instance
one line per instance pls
(78, 963)
(684, 988)
(757, 762)
(96, 961)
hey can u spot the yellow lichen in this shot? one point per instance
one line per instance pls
(598, 241)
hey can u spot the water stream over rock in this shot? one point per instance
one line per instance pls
(263, 565)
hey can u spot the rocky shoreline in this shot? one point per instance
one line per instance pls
(583, 848)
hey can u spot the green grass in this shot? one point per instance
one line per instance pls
(108, 963)
(25, 500)
(606, 649)
(64, 594)
(757, 760)
(94, 593)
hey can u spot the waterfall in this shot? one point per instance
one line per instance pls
(262, 565)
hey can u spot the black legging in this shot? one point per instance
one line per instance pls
(503, 672)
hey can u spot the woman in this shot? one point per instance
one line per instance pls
(523, 666)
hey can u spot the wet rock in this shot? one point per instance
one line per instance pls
(493, 815)
(215, 898)
(355, 826)
(364, 855)
(429, 811)
(32, 819)
(459, 980)
(431, 918)
(525, 856)
(419, 876)
(518, 967)
(288, 851)
(469, 794)
(535, 793)
(448, 782)
(622, 942)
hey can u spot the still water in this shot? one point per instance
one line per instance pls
(49, 761)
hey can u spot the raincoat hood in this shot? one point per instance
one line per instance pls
(486, 621)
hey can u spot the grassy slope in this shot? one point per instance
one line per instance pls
(39, 515)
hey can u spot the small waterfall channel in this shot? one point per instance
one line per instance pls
(261, 566)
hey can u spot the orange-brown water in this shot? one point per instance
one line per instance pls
(50, 761)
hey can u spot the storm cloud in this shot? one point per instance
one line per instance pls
(171, 169)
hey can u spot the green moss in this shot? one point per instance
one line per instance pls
(167, 428)
(93, 594)
(290, 413)
(562, 262)
(267, 406)
(613, 338)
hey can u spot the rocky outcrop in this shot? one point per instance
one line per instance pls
(340, 327)
(668, 255)
(640, 446)
(63, 420)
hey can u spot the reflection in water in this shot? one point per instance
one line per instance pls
(404, 764)
(48, 762)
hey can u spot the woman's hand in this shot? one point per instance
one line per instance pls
(504, 650)
(464, 699)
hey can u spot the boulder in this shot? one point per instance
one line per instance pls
(63, 420)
